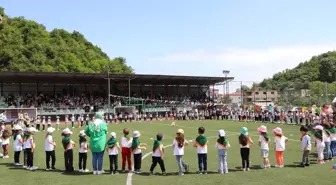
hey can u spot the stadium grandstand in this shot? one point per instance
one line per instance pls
(77, 93)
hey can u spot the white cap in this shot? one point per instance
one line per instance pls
(113, 134)
(318, 127)
(136, 133)
(50, 130)
(32, 129)
(82, 133)
(17, 127)
(221, 133)
(67, 131)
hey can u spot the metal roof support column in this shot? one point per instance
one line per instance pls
(20, 89)
(1, 93)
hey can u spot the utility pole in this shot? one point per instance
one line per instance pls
(326, 92)
(108, 87)
(242, 94)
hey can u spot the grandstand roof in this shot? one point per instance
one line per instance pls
(80, 78)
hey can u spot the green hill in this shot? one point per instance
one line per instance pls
(318, 75)
(319, 68)
(26, 45)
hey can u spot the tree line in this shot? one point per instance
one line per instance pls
(26, 46)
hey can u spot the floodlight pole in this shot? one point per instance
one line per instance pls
(225, 84)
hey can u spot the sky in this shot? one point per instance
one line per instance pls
(252, 39)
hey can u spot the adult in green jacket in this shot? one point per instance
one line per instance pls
(97, 131)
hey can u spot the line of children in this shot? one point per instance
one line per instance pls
(201, 142)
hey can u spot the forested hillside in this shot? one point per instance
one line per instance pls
(26, 45)
(318, 75)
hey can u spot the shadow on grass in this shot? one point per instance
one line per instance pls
(147, 174)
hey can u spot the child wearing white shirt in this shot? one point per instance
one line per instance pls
(305, 145)
(29, 146)
(157, 154)
(68, 145)
(57, 122)
(280, 146)
(263, 143)
(319, 143)
(5, 143)
(49, 147)
(17, 145)
(222, 145)
(83, 149)
(327, 140)
(333, 139)
(201, 143)
(112, 146)
(136, 148)
(179, 143)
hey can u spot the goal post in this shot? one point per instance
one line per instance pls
(12, 114)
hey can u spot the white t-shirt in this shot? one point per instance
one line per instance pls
(177, 149)
(280, 143)
(306, 143)
(126, 143)
(263, 143)
(157, 152)
(48, 144)
(326, 138)
(220, 146)
(320, 142)
(5, 141)
(137, 151)
(83, 147)
(17, 145)
(70, 145)
(333, 136)
(202, 149)
(27, 143)
(114, 150)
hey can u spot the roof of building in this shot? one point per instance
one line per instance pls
(80, 78)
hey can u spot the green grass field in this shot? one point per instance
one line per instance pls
(291, 174)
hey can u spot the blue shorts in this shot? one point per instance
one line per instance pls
(264, 153)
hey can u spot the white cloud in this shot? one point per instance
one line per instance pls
(252, 56)
(247, 64)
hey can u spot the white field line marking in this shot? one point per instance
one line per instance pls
(130, 174)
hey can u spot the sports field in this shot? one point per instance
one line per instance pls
(291, 174)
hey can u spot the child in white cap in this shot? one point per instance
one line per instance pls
(112, 146)
(319, 143)
(29, 146)
(68, 146)
(280, 146)
(83, 149)
(157, 154)
(222, 145)
(49, 147)
(57, 122)
(136, 150)
(179, 143)
(263, 143)
(17, 145)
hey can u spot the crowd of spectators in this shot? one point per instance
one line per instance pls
(68, 101)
